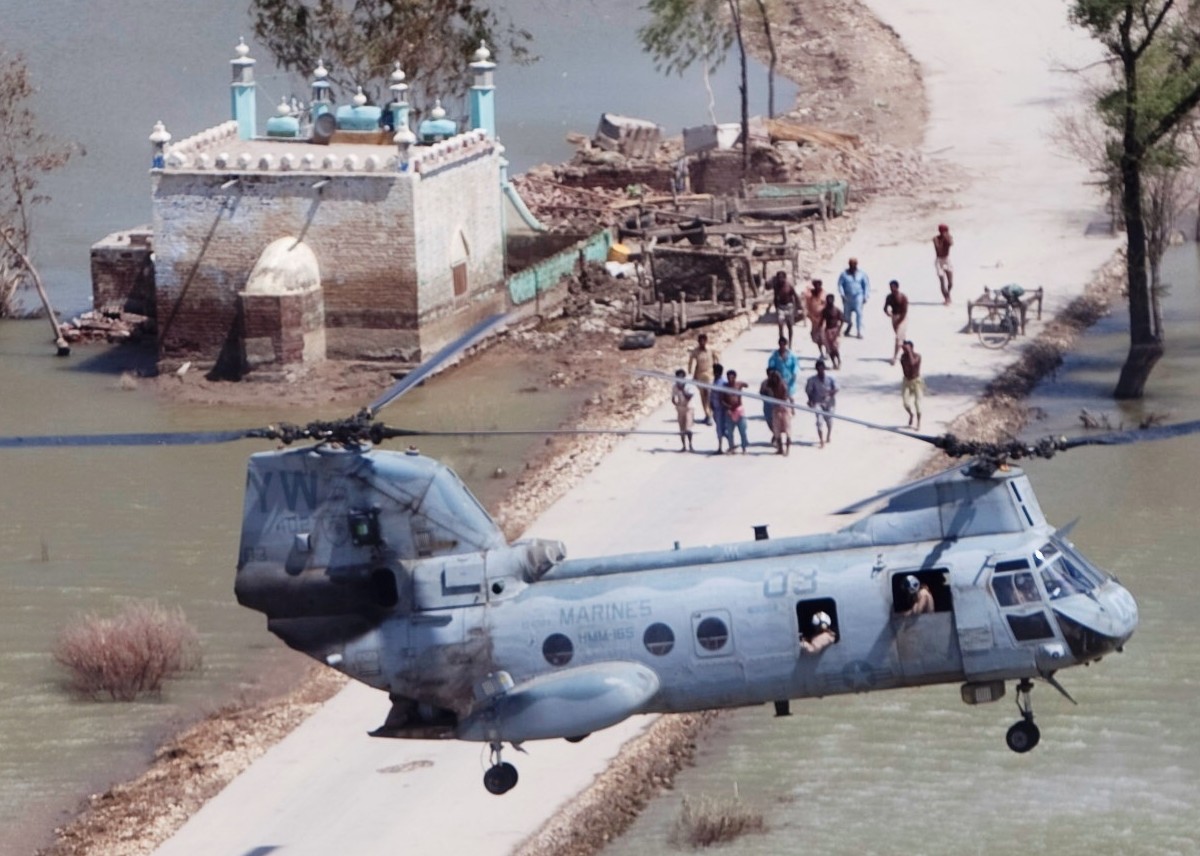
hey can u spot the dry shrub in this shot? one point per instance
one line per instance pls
(706, 821)
(129, 654)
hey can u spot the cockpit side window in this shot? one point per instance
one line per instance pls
(1014, 584)
(1016, 590)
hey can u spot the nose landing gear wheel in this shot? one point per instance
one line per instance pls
(1023, 736)
(500, 779)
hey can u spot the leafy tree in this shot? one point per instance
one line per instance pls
(1154, 52)
(26, 153)
(683, 32)
(361, 40)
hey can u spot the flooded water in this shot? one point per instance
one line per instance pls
(917, 771)
(81, 530)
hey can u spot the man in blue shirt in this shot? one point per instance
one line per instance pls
(785, 362)
(855, 288)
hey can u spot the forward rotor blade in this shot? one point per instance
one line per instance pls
(387, 433)
(169, 438)
(425, 369)
(933, 441)
(1135, 435)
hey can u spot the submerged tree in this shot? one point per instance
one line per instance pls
(1154, 48)
(26, 153)
(361, 40)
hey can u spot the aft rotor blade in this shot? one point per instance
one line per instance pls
(431, 365)
(858, 506)
(1135, 435)
(169, 438)
(779, 402)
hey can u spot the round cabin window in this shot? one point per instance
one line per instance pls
(712, 634)
(659, 639)
(557, 649)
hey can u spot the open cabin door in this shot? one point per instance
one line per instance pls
(927, 644)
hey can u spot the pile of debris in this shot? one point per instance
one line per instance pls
(108, 327)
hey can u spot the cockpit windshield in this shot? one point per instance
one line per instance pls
(1065, 572)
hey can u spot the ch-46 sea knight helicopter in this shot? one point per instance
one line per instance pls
(382, 565)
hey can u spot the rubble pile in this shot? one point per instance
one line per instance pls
(104, 327)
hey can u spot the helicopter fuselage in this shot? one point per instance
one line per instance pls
(383, 566)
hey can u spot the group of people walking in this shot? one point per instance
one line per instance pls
(719, 392)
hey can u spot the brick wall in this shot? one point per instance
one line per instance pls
(720, 171)
(123, 273)
(384, 242)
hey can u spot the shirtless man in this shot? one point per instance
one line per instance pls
(701, 362)
(912, 386)
(831, 328)
(942, 242)
(921, 596)
(895, 306)
(785, 304)
(814, 303)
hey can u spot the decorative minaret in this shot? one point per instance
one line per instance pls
(483, 91)
(399, 105)
(320, 90)
(404, 139)
(159, 138)
(242, 93)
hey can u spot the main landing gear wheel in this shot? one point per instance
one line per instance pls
(1023, 735)
(501, 777)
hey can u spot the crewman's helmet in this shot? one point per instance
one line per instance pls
(913, 584)
(821, 620)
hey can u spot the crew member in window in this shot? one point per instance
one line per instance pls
(820, 637)
(1026, 589)
(920, 596)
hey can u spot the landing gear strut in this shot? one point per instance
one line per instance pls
(501, 777)
(1023, 735)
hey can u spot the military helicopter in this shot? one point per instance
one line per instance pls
(382, 565)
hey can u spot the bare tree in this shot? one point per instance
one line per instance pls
(773, 55)
(26, 153)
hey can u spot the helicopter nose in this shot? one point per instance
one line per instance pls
(1123, 606)
(1098, 624)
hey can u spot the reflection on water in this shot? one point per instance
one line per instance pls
(916, 771)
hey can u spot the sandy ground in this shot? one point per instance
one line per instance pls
(1019, 213)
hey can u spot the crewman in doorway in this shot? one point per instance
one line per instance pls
(919, 594)
(821, 636)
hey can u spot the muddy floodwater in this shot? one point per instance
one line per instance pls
(82, 530)
(917, 771)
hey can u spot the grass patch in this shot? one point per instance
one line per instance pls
(705, 821)
(130, 654)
